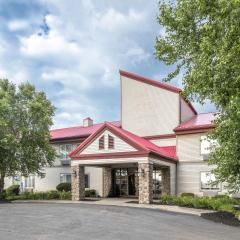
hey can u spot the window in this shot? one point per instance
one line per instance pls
(65, 177)
(101, 143)
(206, 145)
(16, 180)
(207, 179)
(110, 142)
(86, 181)
(64, 150)
(29, 181)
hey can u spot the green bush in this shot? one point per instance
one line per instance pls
(90, 193)
(66, 187)
(223, 203)
(13, 190)
(187, 195)
(50, 195)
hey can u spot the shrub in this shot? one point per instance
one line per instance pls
(90, 193)
(66, 187)
(13, 190)
(187, 195)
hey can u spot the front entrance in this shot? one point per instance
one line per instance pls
(125, 182)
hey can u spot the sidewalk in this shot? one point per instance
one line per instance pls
(125, 202)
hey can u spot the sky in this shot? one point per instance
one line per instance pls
(73, 50)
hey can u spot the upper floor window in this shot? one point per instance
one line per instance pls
(206, 145)
(64, 150)
(207, 181)
(101, 142)
(110, 142)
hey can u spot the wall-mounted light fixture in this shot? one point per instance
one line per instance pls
(74, 173)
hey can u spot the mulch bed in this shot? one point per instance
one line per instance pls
(222, 217)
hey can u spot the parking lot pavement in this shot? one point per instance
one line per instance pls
(47, 221)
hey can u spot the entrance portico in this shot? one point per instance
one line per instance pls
(135, 167)
(145, 179)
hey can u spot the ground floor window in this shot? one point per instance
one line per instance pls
(87, 181)
(157, 183)
(65, 177)
(207, 181)
(29, 182)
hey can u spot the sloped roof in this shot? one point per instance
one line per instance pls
(141, 143)
(197, 122)
(77, 132)
(156, 84)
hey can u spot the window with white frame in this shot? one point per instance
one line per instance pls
(206, 145)
(29, 182)
(65, 177)
(64, 150)
(207, 181)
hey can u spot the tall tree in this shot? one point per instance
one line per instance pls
(202, 40)
(25, 120)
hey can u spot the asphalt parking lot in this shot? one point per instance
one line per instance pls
(21, 221)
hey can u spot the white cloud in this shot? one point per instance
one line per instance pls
(45, 45)
(17, 25)
(112, 19)
(78, 48)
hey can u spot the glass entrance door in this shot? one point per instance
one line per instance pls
(125, 181)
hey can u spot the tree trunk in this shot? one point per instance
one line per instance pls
(2, 176)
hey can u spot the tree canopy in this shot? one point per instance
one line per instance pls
(25, 120)
(202, 39)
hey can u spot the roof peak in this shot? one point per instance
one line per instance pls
(150, 81)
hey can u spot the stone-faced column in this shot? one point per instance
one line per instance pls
(107, 181)
(78, 183)
(165, 181)
(145, 183)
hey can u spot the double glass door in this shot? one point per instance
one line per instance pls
(125, 181)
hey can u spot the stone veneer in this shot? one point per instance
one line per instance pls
(107, 181)
(145, 183)
(165, 180)
(78, 183)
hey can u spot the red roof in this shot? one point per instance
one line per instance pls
(197, 122)
(143, 144)
(77, 132)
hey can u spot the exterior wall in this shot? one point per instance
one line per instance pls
(164, 142)
(148, 110)
(186, 111)
(52, 178)
(191, 164)
(189, 178)
(120, 145)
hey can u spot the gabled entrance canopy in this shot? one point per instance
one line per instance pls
(126, 145)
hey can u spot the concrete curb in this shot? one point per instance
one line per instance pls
(166, 208)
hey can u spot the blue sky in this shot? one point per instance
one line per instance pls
(73, 51)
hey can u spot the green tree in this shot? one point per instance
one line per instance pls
(25, 119)
(203, 41)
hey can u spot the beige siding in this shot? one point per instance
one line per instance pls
(164, 142)
(120, 145)
(148, 110)
(186, 111)
(52, 178)
(188, 179)
(188, 147)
